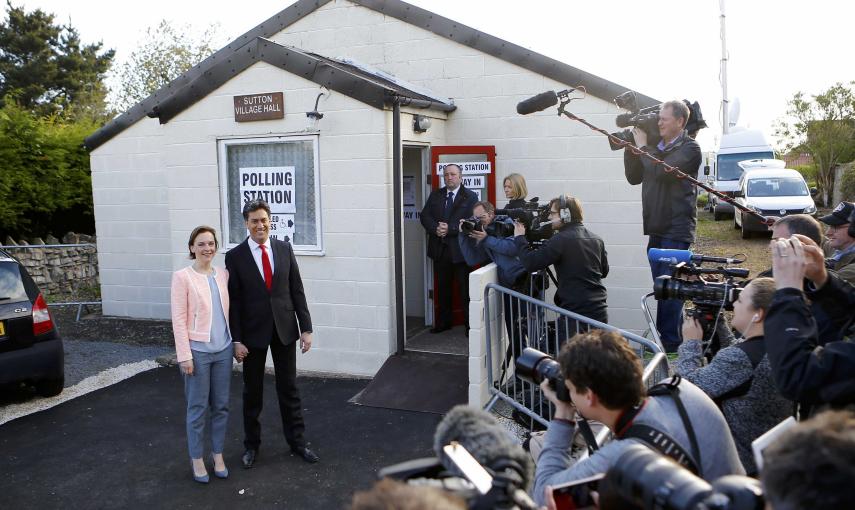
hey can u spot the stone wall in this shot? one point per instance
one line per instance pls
(63, 273)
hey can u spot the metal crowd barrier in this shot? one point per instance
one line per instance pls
(531, 322)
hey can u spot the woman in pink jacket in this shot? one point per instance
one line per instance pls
(203, 344)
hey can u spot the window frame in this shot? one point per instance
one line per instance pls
(222, 151)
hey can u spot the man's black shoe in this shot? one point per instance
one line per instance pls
(439, 329)
(248, 458)
(307, 455)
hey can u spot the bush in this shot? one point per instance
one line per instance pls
(45, 183)
(808, 172)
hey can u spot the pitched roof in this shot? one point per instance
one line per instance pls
(253, 46)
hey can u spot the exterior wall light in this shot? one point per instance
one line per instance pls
(421, 123)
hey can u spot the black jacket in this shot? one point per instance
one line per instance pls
(254, 311)
(437, 247)
(580, 261)
(668, 203)
(803, 370)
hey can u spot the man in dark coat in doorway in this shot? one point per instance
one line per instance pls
(268, 309)
(441, 217)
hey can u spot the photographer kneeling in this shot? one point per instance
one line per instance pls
(739, 377)
(580, 261)
(491, 240)
(604, 378)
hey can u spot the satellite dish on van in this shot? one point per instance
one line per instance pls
(733, 114)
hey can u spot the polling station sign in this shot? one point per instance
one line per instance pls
(274, 185)
(469, 168)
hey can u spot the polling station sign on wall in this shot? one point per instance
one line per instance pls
(474, 175)
(274, 185)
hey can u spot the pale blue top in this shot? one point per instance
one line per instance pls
(220, 337)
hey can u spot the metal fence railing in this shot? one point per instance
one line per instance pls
(523, 321)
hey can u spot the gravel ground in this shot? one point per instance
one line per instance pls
(85, 358)
(96, 327)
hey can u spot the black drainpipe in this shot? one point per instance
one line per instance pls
(398, 225)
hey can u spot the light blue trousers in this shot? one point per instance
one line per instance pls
(207, 393)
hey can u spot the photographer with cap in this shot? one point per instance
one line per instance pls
(841, 241)
(805, 371)
(668, 203)
(580, 261)
(604, 378)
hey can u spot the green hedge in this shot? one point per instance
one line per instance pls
(847, 184)
(45, 183)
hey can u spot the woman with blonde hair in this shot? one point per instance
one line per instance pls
(515, 191)
(203, 346)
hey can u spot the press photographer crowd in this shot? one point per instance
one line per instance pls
(757, 410)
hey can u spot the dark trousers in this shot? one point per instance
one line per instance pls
(446, 272)
(285, 366)
(668, 311)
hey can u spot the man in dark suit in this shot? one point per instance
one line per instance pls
(268, 310)
(441, 217)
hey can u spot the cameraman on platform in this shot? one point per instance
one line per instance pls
(668, 203)
(604, 377)
(580, 261)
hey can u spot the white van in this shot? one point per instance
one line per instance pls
(735, 147)
(771, 192)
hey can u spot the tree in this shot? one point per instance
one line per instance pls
(47, 69)
(166, 53)
(824, 127)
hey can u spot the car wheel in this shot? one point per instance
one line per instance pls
(50, 387)
(746, 234)
(717, 215)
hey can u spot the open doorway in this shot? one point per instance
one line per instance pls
(418, 313)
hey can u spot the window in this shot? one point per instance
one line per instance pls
(284, 172)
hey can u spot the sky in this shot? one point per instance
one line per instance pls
(666, 49)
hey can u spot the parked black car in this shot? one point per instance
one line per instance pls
(30, 346)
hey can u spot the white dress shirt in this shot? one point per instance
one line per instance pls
(255, 248)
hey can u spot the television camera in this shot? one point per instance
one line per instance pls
(690, 281)
(647, 119)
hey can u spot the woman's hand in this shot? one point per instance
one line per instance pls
(519, 228)
(692, 329)
(186, 367)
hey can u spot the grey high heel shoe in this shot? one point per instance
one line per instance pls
(200, 479)
(219, 474)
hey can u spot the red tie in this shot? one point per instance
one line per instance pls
(265, 266)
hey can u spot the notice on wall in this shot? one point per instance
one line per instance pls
(411, 213)
(274, 185)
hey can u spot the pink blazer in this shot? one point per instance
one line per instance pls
(191, 308)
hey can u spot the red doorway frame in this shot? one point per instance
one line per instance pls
(435, 153)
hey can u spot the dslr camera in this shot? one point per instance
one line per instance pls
(643, 479)
(647, 119)
(495, 229)
(535, 367)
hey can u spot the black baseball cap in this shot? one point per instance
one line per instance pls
(840, 214)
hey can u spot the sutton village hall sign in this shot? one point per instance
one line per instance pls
(267, 106)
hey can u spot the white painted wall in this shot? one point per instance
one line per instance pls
(132, 222)
(554, 154)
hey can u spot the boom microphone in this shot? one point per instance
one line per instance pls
(677, 256)
(537, 103)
